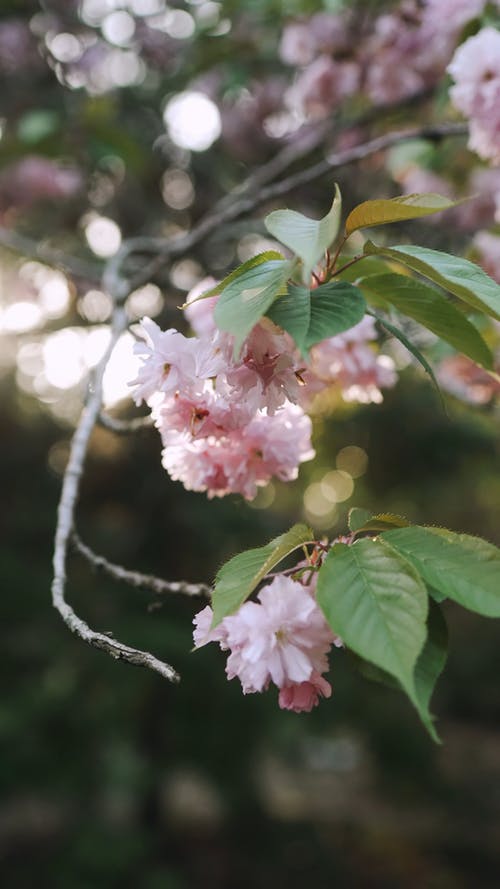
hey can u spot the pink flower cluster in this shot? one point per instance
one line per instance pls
(451, 15)
(467, 381)
(475, 68)
(399, 54)
(405, 55)
(348, 361)
(283, 639)
(229, 425)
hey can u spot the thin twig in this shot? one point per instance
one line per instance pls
(225, 212)
(359, 152)
(304, 141)
(65, 519)
(123, 427)
(136, 578)
(348, 264)
(29, 247)
(310, 137)
(228, 209)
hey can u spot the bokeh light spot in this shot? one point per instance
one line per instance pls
(193, 120)
(103, 235)
(352, 460)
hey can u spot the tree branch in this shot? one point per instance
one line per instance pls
(65, 518)
(29, 247)
(136, 578)
(311, 136)
(357, 153)
(226, 211)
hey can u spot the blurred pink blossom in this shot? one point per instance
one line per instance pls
(18, 49)
(414, 179)
(466, 380)
(488, 247)
(403, 56)
(484, 206)
(475, 68)
(323, 85)
(451, 15)
(35, 178)
(302, 41)
(349, 362)
(298, 44)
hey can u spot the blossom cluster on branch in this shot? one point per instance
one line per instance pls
(475, 69)
(283, 639)
(233, 399)
(230, 423)
(400, 54)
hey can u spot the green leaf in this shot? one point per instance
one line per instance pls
(357, 518)
(383, 211)
(395, 331)
(308, 238)
(430, 665)
(374, 674)
(236, 273)
(460, 567)
(310, 316)
(292, 312)
(459, 276)
(383, 522)
(335, 307)
(376, 602)
(237, 579)
(363, 520)
(436, 595)
(431, 309)
(243, 302)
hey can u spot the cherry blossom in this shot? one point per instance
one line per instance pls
(241, 460)
(301, 697)
(172, 361)
(283, 639)
(268, 368)
(348, 361)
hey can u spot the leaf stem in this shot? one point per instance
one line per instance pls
(332, 262)
(348, 264)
